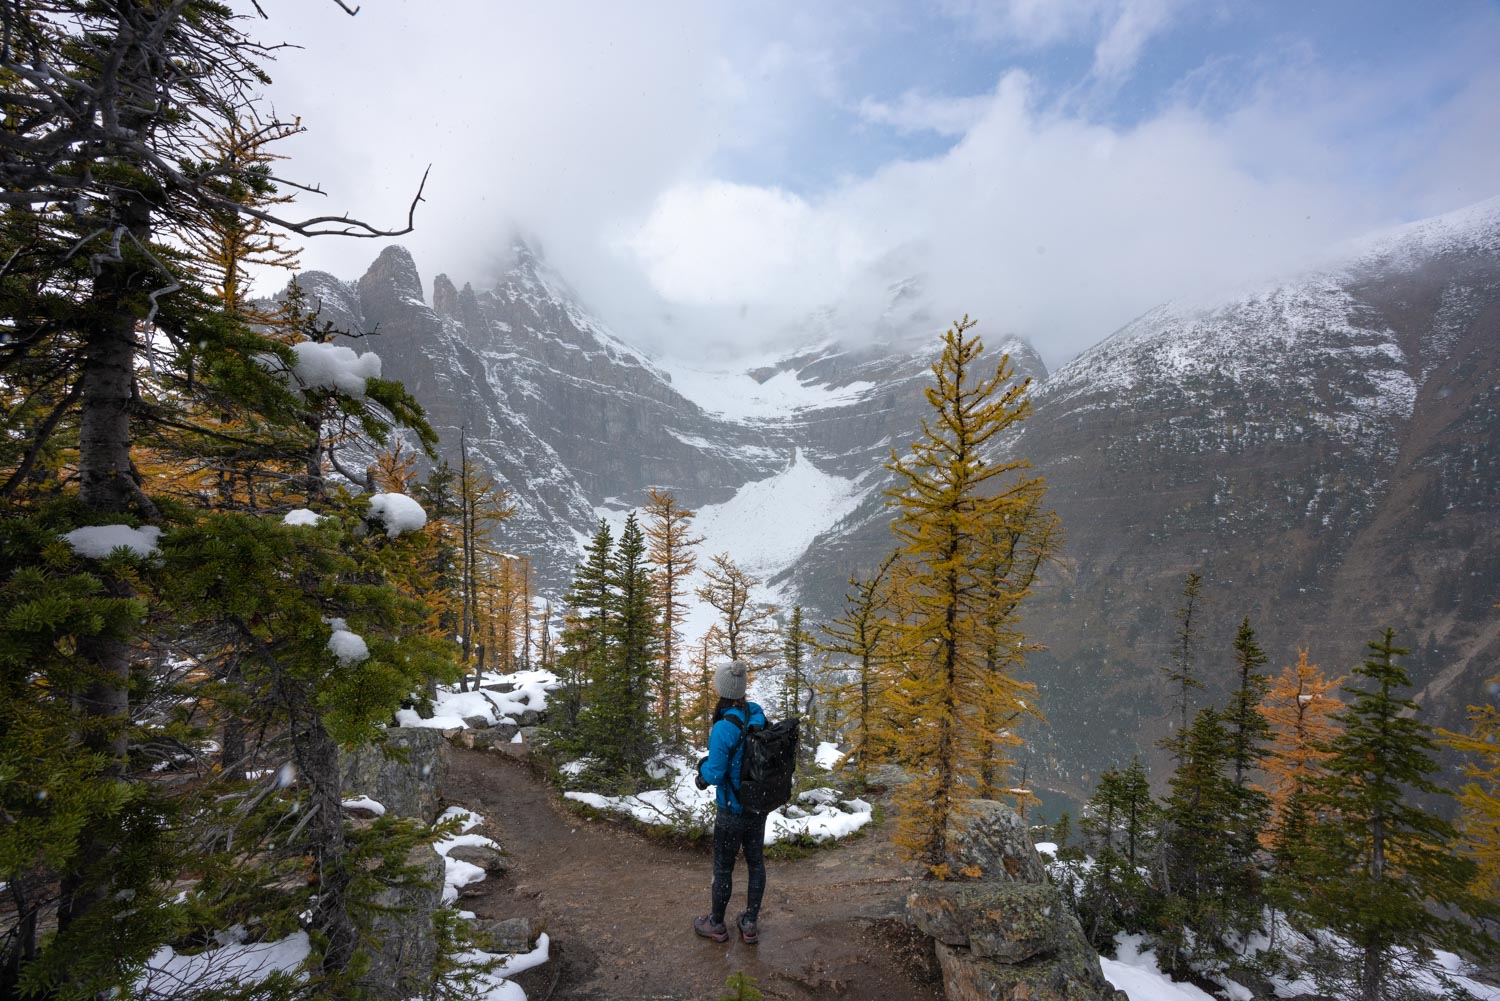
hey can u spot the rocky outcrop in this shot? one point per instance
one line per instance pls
(401, 923)
(404, 772)
(990, 841)
(1008, 922)
(1001, 930)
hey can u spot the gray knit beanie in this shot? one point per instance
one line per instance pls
(729, 679)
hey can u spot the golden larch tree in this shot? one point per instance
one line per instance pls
(698, 708)
(670, 544)
(860, 639)
(1479, 799)
(1300, 709)
(744, 624)
(956, 505)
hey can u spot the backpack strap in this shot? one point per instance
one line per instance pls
(733, 794)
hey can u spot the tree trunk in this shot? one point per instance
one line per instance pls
(106, 485)
(317, 759)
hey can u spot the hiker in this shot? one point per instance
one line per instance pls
(734, 828)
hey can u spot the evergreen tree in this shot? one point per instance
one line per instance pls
(1249, 739)
(952, 505)
(796, 688)
(1198, 849)
(636, 630)
(588, 630)
(1118, 828)
(1249, 733)
(1379, 862)
(124, 344)
(1179, 675)
(1062, 835)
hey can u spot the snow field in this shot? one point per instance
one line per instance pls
(765, 527)
(739, 397)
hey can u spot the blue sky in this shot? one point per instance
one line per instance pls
(710, 174)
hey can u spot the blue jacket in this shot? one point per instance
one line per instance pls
(721, 768)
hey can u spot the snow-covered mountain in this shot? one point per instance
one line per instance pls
(577, 424)
(1325, 450)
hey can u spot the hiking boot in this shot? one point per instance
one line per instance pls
(709, 928)
(749, 933)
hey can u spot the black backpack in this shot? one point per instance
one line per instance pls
(767, 766)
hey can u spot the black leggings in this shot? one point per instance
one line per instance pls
(733, 831)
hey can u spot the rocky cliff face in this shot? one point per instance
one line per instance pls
(1326, 452)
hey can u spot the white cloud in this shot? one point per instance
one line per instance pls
(619, 134)
(1133, 25)
(915, 111)
(1040, 222)
(1119, 28)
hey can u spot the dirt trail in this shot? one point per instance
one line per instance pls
(619, 907)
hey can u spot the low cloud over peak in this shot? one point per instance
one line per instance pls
(709, 176)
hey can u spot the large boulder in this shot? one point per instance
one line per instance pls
(491, 860)
(506, 935)
(484, 738)
(402, 964)
(1011, 922)
(404, 771)
(1002, 932)
(1066, 975)
(989, 840)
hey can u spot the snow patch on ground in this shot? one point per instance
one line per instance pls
(1138, 975)
(451, 705)
(493, 986)
(828, 756)
(170, 974)
(97, 541)
(458, 874)
(683, 805)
